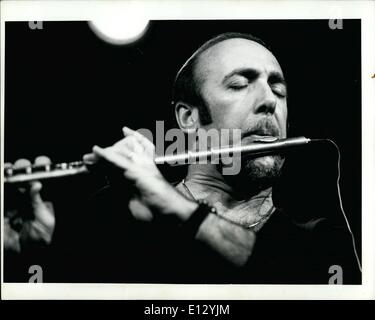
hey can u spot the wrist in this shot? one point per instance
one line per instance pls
(181, 207)
(191, 226)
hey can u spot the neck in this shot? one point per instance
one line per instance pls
(209, 180)
(205, 181)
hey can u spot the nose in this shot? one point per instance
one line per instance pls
(266, 99)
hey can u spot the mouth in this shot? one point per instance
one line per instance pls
(261, 136)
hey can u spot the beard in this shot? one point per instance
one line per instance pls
(257, 173)
(262, 170)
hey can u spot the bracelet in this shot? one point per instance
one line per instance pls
(191, 226)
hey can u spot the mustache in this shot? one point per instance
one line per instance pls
(264, 127)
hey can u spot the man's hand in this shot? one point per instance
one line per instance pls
(135, 154)
(37, 228)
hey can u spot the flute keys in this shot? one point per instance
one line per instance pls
(41, 167)
(23, 171)
(61, 166)
(8, 169)
(42, 163)
(21, 166)
(76, 164)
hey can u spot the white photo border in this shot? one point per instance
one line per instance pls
(263, 10)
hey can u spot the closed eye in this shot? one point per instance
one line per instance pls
(278, 84)
(238, 84)
(240, 78)
(279, 90)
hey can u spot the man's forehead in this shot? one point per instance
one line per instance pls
(236, 53)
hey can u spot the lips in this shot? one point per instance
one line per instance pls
(260, 138)
(261, 134)
(263, 131)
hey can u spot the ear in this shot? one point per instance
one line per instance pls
(187, 117)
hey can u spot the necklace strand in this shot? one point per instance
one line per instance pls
(225, 218)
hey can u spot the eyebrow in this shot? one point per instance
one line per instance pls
(250, 73)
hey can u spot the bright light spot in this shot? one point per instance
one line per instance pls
(121, 29)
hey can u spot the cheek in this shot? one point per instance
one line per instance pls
(281, 115)
(228, 112)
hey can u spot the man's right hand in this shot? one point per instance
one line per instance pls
(37, 228)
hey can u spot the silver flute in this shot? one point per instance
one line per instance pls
(267, 145)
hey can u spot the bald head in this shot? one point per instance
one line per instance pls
(233, 62)
(187, 84)
(233, 54)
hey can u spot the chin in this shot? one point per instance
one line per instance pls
(263, 170)
(257, 173)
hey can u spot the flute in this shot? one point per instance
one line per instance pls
(258, 147)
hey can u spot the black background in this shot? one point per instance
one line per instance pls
(66, 90)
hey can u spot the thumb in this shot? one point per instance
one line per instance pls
(35, 188)
(43, 211)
